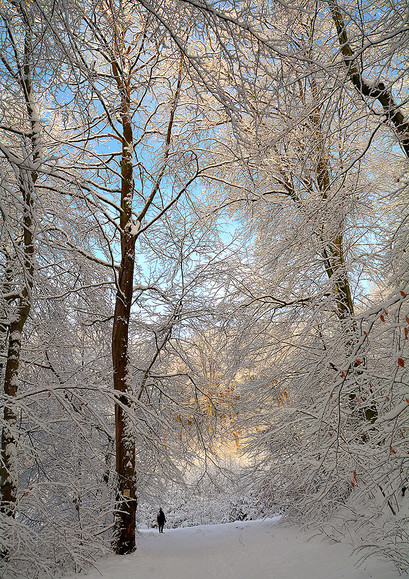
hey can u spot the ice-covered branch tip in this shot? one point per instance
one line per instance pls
(378, 90)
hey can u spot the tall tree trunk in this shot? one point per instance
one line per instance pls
(334, 261)
(8, 468)
(20, 311)
(332, 250)
(126, 502)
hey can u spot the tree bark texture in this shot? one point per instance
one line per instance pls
(126, 502)
(19, 312)
(124, 534)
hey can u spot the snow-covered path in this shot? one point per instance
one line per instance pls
(241, 550)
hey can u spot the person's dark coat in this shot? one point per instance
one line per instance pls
(161, 519)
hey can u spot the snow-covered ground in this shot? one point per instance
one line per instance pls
(241, 550)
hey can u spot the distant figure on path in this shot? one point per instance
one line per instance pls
(161, 520)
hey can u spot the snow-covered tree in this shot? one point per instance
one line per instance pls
(21, 155)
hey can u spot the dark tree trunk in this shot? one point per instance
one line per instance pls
(19, 312)
(124, 538)
(126, 502)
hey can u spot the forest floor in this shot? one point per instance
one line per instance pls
(240, 550)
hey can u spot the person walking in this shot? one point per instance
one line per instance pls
(161, 520)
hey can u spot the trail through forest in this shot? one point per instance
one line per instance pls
(240, 550)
